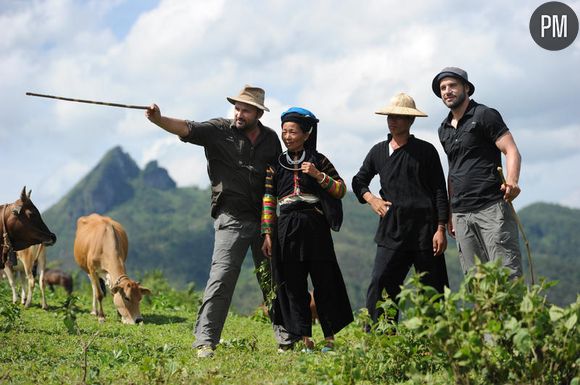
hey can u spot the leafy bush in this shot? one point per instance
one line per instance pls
(381, 355)
(492, 331)
(495, 330)
(9, 313)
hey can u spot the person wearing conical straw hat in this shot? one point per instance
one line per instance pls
(238, 152)
(412, 206)
(474, 136)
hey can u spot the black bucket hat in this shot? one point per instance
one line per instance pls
(454, 72)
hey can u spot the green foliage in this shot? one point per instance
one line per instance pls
(552, 233)
(164, 297)
(553, 229)
(264, 275)
(249, 344)
(161, 367)
(69, 313)
(496, 330)
(491, 331)
(9, 312)
(375, 357)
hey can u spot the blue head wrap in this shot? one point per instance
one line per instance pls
(300, 111)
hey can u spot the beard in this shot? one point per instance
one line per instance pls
(459, 99)
(245, 125)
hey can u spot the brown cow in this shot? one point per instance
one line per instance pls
(58, 277)
(35, 254)
(22, 226)
(100, 249)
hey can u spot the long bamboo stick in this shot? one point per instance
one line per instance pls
(521, 227)
(88, 101)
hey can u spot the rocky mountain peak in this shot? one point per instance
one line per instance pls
(157, 177)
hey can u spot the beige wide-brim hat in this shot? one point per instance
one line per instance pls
(253, 96)
(401, 104)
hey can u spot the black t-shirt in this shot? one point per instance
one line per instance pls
(473, 157)
(236, 167)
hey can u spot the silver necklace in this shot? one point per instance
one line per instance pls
(293, 162)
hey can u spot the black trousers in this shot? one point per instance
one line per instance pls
(330, 296)
(391, 268)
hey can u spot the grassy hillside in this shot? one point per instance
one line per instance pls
(552, 231)
(438, 342)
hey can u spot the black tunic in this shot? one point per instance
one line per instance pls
(412, 180)
(303, 238)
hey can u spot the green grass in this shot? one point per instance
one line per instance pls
(39, 349)
(437, 342)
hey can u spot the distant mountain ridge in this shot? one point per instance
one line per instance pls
(170, 229)
(118, 188)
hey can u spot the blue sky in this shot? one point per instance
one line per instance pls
(342, 60)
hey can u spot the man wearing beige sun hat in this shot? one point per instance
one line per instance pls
(238, 152)
(412, 205)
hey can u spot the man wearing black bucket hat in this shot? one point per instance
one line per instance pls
(474, 136)
(238, 152)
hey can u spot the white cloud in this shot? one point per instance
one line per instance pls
(67, 174)
(554, 182)
(342, 60)
(572, 199)
(554, 143)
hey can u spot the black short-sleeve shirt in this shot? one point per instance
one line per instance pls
(473, 157)
(236, 167)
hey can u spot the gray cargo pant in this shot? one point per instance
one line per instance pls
(490, 234)
(233, 237)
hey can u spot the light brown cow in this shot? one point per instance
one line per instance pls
(100, 249)
(35, 254)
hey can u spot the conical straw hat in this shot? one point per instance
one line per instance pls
(401, 104)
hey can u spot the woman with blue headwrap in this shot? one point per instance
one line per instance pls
(307, 189)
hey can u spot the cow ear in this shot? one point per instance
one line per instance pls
(144, 290)
(23, 195)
